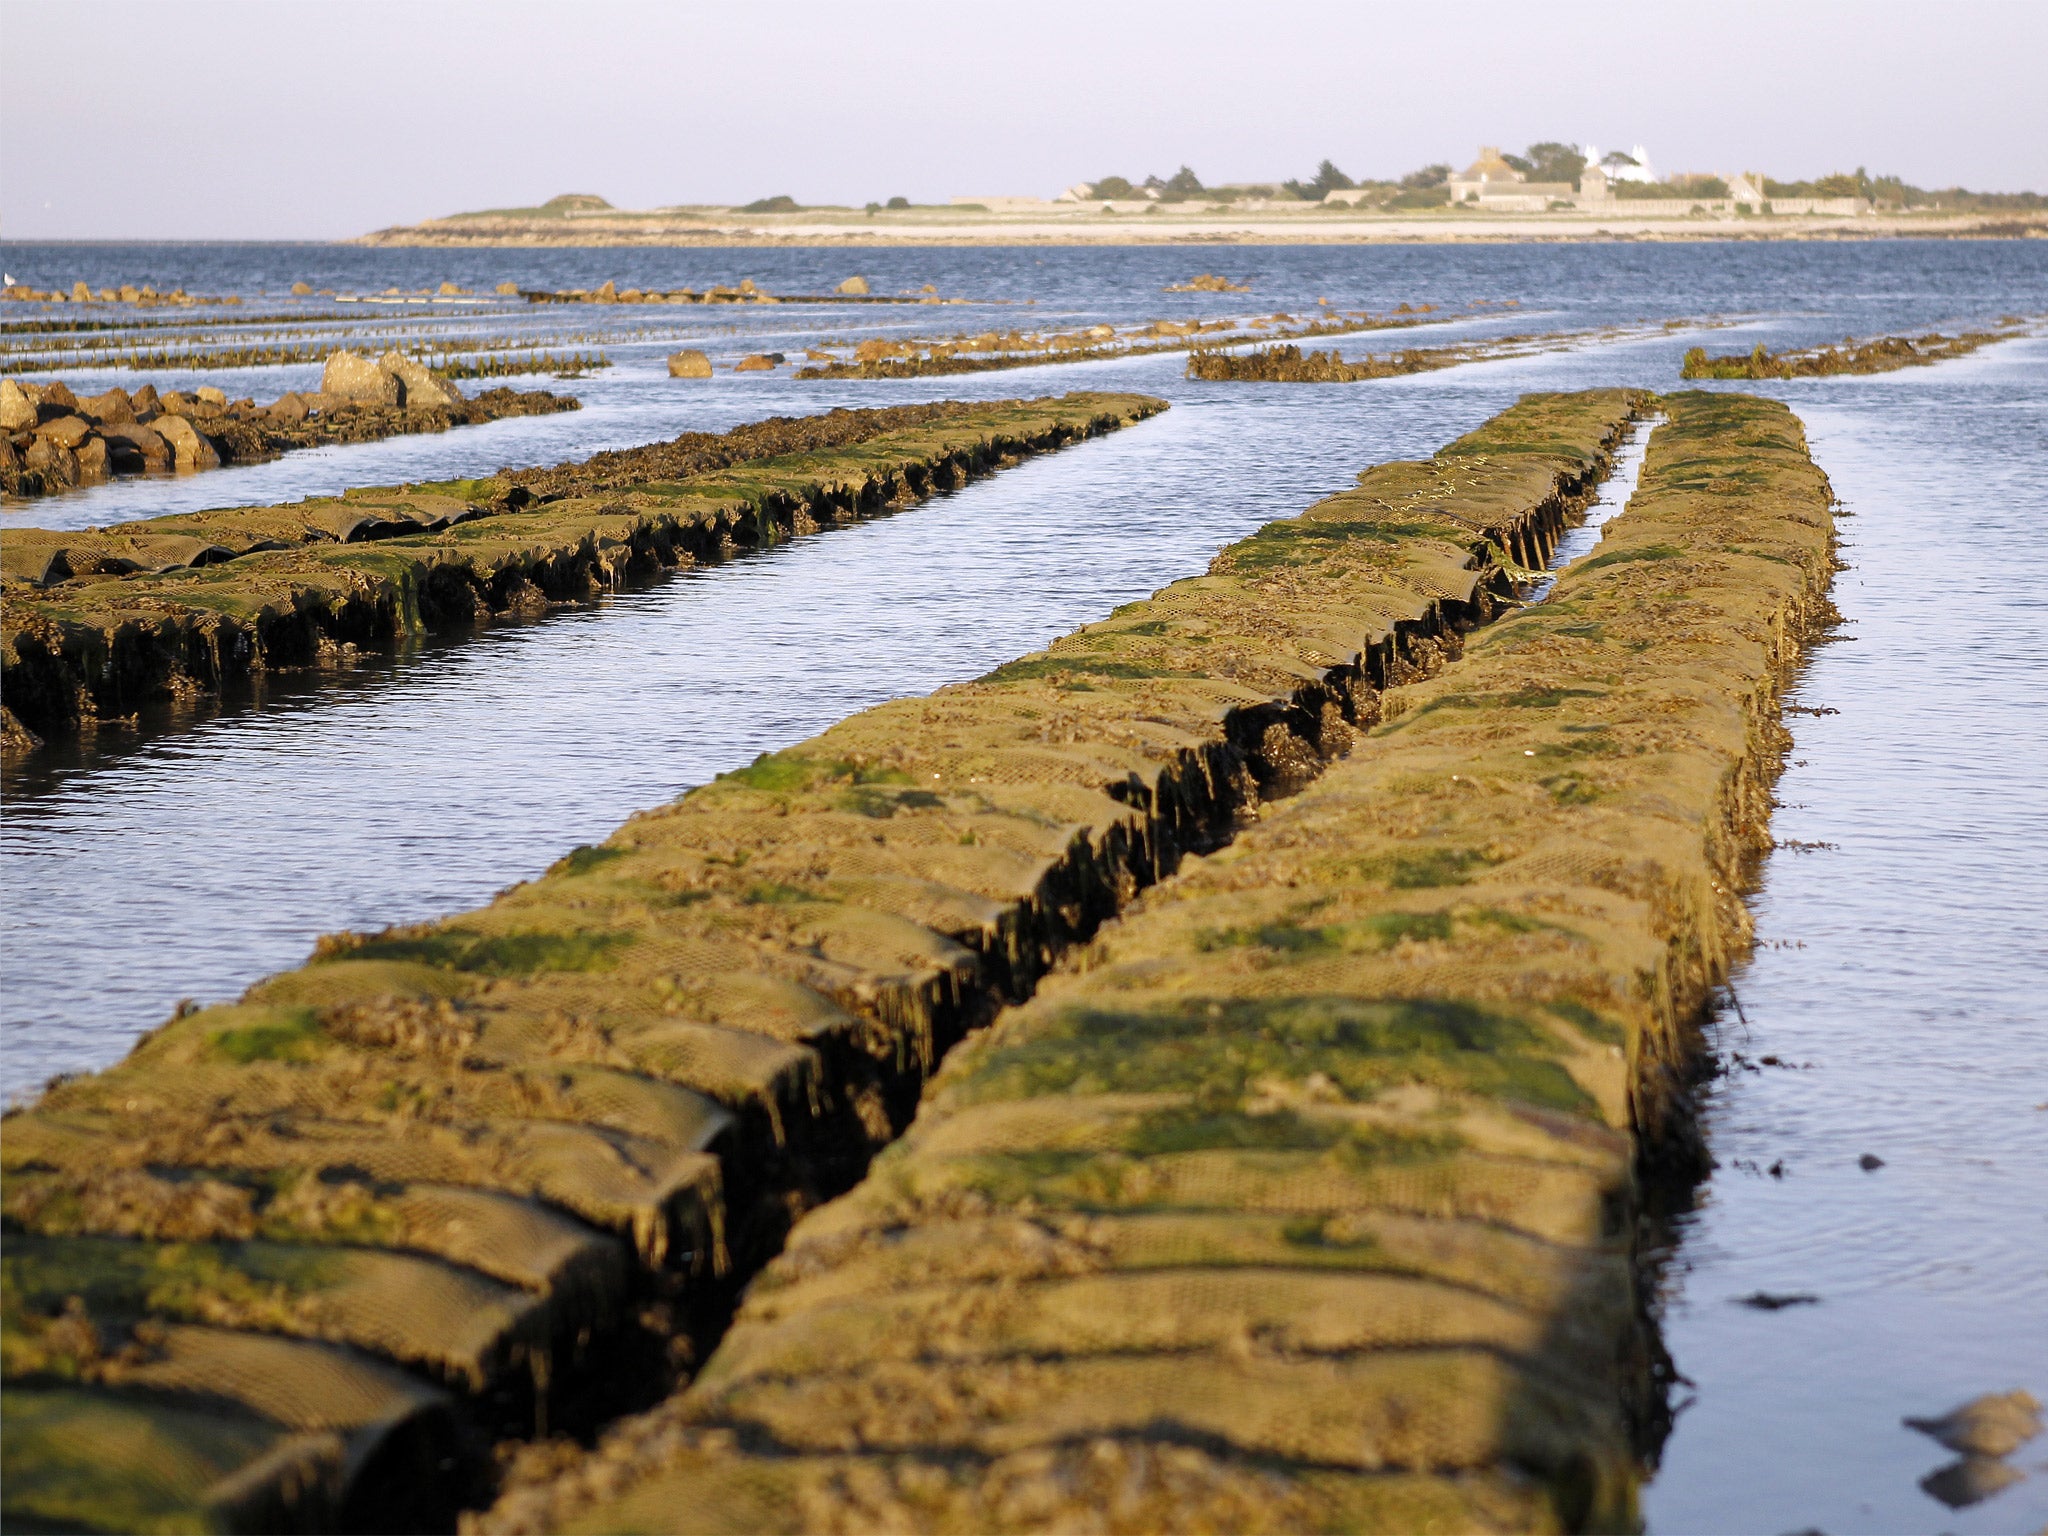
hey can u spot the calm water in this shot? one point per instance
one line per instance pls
(1903, 975)
(160, 866)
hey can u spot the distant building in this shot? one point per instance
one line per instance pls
(1498, 187)
(1620, 165)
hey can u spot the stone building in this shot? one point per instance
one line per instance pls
(1497, 187)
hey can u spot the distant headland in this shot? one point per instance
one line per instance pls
(1553, 191)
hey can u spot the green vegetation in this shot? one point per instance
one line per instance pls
(780, 203)
(1895, 192)
(1698, 188)
(1327, 179)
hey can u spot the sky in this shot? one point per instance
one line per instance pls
(323, 119)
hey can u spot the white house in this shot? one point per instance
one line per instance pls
(1620, 165)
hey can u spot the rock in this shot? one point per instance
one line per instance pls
(320, 401)
(190, 448)
(56, 392)
(689, 364)
(855, 284)
(112, 406)
(424, 390)
(759, 362)
(608, 294)
(288, 407)
(14, 736)
(130, 294)
(80, 293)
(69, 431)
(1870, 1162)
(145, 443)
(509, 290)
(1996, 1424)
(57, 464)
(449, 290)
(145, 400)
(301, 290)
(354, 377)
(17, 411)
(94, 463)
(1777, 1301)
(209, 395)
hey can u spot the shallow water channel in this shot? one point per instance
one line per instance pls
(1897, 1003)
(1898, 980)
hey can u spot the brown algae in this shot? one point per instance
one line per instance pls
(1884, 354)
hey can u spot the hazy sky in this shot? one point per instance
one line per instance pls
(327, 118)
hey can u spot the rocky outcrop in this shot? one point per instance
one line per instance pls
(351, 376)
(82, 292)
(420, 388)
(855, 286)
(190, 449)
(689, 364)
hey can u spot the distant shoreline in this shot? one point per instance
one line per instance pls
(723, 227)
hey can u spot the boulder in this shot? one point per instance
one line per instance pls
(855, 284)
(18, 411)
(57, 464)
(56, 392)
(112, 406)
(207, 394)
(355, 377)
(449, 290)
(130, 294)
(301, 290)
(145, 443)
(509, 290)
(423, 389)
(94, 463)
(608, 294)
(145, 401)
(190, 448)
(759, 362)
(689, 364)
(70, 431)
(80, 293)
(288, 407)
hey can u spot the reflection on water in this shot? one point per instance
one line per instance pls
(1901, 968)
